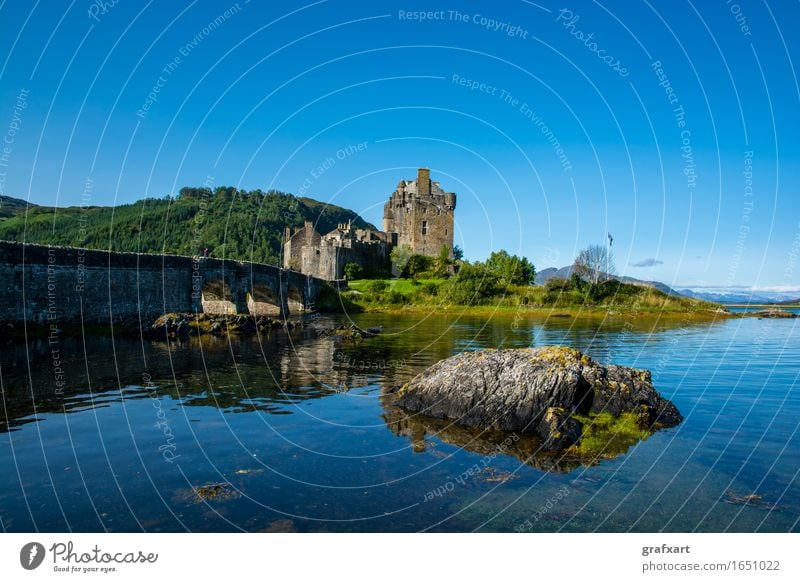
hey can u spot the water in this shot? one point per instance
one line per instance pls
(297, 428)
(752, 308)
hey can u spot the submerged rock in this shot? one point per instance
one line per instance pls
(181, 325)
(215, 491)
(348, 333)
(424, 432)
(547, 391)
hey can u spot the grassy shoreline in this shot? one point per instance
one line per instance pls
(431, 295)
(595, 312)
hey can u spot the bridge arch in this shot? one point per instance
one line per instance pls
(294, 299)
(263, 300)
(217, 297)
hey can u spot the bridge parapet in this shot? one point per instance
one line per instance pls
(41, 284)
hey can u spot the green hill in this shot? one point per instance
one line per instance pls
(232, 223)
(11, 206)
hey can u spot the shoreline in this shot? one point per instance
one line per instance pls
(20, 331)
(558, 312)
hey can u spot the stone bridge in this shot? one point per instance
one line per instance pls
(42, 284)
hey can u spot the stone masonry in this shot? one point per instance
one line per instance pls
(48, 285)
(422, 215)
(418, 214)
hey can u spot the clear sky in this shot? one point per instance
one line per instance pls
(673, 125)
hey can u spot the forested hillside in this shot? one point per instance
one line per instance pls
(231, 223)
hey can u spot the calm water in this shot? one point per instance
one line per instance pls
(296, 428)
(749, 309)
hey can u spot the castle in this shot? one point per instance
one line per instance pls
(418, 214)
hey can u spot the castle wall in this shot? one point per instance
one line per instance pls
(328, 261)
(295, 242)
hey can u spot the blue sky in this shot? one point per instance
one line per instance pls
(552, 121)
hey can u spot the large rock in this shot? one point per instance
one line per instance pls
(534, 391)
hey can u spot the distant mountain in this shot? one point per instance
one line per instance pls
(741, 296)
(794, 301)
(231, 223)
(566, 272)
(551, 273)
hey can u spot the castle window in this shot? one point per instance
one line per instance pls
(424, 227)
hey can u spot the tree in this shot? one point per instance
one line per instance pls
(443, 261)
(400, 257)
(510, 269)
(418, 265)
(353, 271)
(458, 253)
(473, 285)
(595, 262)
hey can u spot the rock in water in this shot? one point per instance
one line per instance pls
(536, 390)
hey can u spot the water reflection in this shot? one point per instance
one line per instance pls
(297, 424)
(421, 430)
(273, 371)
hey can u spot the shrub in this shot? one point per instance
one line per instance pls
(511, 269)
(472, 286)
(430, 289)
(353, 271)
(377, 287)
(557, 284)
(395, 298)
(418, 266)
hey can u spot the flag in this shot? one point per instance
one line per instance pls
(610, 239)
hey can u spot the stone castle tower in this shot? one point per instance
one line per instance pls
(418, 214)
(421, 214)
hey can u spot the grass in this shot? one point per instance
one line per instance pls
(426, 294)
(404, 286)
(606, 436)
